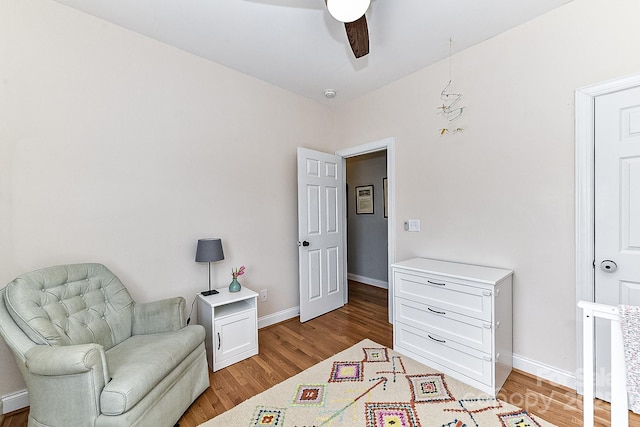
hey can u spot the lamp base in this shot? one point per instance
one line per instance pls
(207, 293)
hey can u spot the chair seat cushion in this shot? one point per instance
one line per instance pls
(139, 363)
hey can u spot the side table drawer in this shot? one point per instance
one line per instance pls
(450, 296)
(463, 360)
(451, 326)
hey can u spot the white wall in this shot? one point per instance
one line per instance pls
(117, 149)
(502, 192)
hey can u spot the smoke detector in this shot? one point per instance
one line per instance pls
(329, 93)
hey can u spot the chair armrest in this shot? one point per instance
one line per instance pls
(159, 316)
(73, 375)
(67, 360)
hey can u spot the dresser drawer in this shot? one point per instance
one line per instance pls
(451, 326)
(462, 360)
(448, 295)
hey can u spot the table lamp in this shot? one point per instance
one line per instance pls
(209, 250)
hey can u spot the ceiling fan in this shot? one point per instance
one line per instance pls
(352, 13)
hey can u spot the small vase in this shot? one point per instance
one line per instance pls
(234, 286)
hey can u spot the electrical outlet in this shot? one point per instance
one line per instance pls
(263, 295)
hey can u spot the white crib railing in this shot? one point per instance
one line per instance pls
(619, 407)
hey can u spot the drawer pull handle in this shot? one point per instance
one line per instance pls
(434, 311)
(219, 341)
(436, 283)
(486, 293)
(487, 325)
(436, 339)
(487, 358)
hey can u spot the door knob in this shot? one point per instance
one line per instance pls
(608, 266)
(304, 243)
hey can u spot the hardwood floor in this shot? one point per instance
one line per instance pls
(290, 347)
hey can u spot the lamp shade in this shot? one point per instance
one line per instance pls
(347, 10)
(209, 250)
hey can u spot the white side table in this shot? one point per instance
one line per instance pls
(231, 323)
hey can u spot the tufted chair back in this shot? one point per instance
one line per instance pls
(71, 304)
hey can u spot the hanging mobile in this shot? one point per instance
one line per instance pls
(450, 109)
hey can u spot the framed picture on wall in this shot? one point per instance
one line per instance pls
(384, 195)
(364, 199)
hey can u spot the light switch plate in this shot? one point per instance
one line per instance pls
(414, 225)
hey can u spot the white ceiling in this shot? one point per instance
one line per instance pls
(297, 45)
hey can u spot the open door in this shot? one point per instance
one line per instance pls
(321, 237)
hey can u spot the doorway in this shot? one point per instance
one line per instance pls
(322, 212)
(367, 219)
(385, 145)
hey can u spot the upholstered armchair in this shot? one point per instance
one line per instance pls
(91, 356)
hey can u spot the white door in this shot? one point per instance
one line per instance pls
(320, 233)
(617, 213)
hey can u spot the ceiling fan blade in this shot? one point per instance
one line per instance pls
(358, 35)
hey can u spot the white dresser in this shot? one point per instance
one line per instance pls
(455, 318)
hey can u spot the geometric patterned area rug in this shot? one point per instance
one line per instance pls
(369, 385)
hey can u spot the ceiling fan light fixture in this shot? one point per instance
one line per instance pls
(347, 10)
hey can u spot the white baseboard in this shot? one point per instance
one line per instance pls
(545, 372)
(281, 316)
(368, 281)
(13, 402)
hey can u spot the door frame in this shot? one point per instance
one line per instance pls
(380, 145)
(584, 195)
